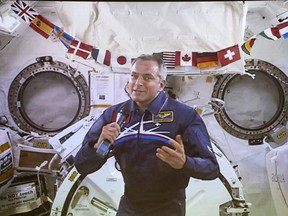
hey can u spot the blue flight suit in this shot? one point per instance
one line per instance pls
(153, 187)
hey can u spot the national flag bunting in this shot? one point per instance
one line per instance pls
(168, 58)
(205, 59)
(101, 56)
(80, 49)
(41, 25)
(229, 55)
(271, 33)
(24, 11)
(120, 60)
(183, 58)
(283, 29)
(247, 45)
(65, 38)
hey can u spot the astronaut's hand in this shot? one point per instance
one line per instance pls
(176, 157)
(109, 132)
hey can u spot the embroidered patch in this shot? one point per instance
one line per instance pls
(165, 116)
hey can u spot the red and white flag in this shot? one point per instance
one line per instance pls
(169, 59)
(120, 60)
(229, 55)
(183, 58)
(80, 49)
(24, 11)
(283, 29)
(271, 33)
(101, 56)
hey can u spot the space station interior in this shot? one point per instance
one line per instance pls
(62, 63)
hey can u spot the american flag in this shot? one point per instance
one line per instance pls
(24, 11)
(168, 58)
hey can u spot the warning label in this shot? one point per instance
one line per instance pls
(18, 195)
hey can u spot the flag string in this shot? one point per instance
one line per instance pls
(202, 60)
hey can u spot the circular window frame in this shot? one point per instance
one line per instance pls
(253, 135)
(46, 64)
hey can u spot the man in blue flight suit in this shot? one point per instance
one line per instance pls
(160, 145)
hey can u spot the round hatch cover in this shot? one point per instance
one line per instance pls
(253, 107)
(48, 96)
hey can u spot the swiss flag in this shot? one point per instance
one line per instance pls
(183, 58)
(228, 55)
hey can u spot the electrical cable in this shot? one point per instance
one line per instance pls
(38, 168)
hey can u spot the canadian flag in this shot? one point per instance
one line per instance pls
(183, 58)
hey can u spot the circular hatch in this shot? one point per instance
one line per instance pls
(48, 96)
(253, 107)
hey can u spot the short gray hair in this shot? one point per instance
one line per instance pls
(162, 72)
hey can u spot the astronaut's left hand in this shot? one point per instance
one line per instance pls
(176, 157)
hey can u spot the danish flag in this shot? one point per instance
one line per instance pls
(80, 49)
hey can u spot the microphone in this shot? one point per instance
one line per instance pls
(105, 146)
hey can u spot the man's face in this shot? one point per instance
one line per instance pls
(144, 83)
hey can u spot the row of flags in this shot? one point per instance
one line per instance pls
(76, 47)
(171, 58)
(272, 33)
(201, 59)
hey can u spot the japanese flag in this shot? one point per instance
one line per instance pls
(120, 60)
